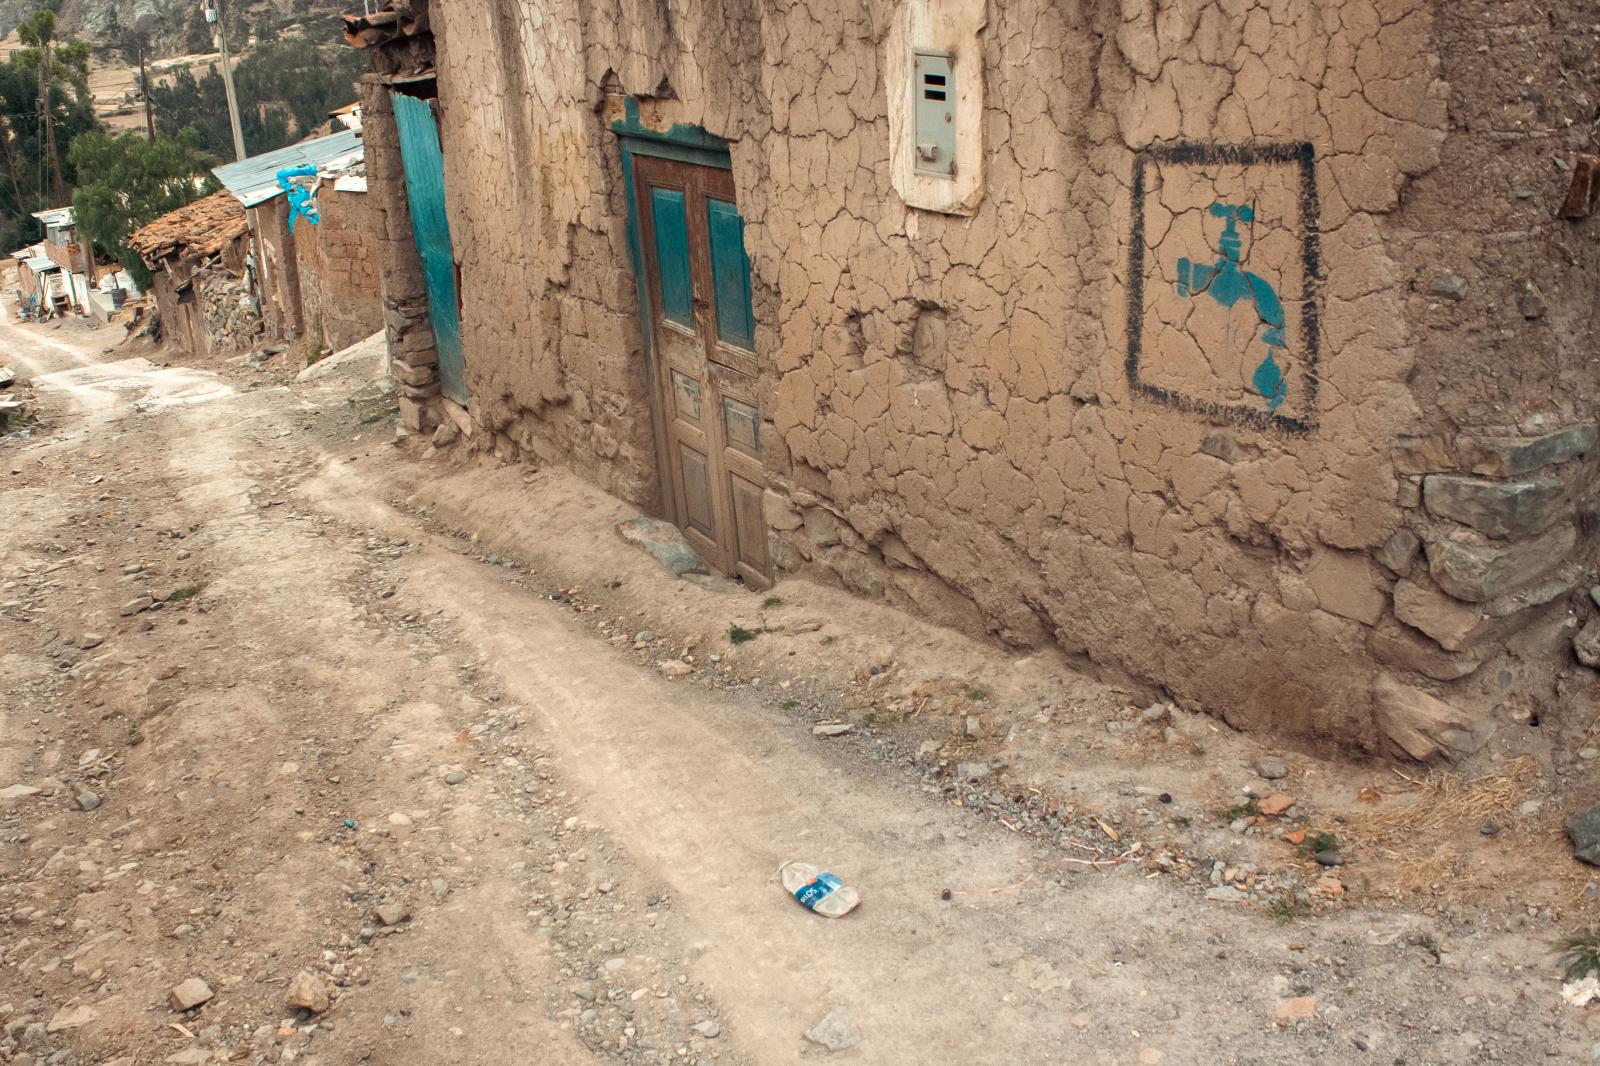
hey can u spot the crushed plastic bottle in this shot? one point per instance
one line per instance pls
(817, 890)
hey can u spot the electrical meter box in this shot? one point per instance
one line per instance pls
(935, 109)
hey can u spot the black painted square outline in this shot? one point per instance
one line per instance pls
(1302, 154)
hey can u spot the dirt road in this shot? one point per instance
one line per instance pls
(283, 717)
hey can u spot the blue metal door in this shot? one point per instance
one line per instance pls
(430, 227)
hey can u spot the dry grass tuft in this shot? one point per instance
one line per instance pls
(1410, 841)
(1445, 801)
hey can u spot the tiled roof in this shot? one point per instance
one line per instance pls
(203, 228)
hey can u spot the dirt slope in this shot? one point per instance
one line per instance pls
(350, 742)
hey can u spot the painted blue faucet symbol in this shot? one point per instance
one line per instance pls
(1225, 283)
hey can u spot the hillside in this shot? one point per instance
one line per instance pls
(175, 26)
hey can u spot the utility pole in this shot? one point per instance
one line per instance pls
(214, 16)
(144, 91)
(48, 112)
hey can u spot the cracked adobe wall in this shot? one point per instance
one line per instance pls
(1242, 277)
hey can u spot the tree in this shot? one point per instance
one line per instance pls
(134, 47)
(197, 39)
(131, 182)
(24, 155)
(55, 65)
(286, 89)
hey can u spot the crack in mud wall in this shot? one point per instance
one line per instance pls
(1348, 279)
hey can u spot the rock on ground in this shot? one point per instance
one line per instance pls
(1298, 1009)
(393, 913)
(71, 1018)
(190, 994)
(835, 1031)
(663, 541)
(308, 992)
(1586, 645)
(1271, 767)
(1423, 727)
(1584, 829)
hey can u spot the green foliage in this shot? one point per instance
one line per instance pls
(741, 635)
(1247, 809)
(771, 602)
(197, 35)
(56, 72)
(1319, 842)
(286, 89)
(1581, 955)
(1288, 907)
(130, 182)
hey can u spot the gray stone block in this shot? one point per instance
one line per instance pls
(1400, 646)
(1502, 509)
(1444, 618)
(1422, 727)
(1399, 552)
(1477, 572)
(1514, 456)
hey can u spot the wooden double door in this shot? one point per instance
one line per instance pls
(702, 329)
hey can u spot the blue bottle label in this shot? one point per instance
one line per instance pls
(814, 892)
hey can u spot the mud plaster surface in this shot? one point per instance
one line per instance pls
(947, 398)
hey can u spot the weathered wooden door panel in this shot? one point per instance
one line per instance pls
(702, 332)
(430, 226)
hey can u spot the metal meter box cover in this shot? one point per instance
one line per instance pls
(934, 101)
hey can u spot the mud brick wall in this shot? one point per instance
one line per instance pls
(1259, 369)
(337, 259)
(325, 276)
(414, 355)
(182, 323)
(280, 304)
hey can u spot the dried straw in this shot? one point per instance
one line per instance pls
(1445, 801)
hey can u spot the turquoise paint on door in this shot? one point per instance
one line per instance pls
(730, 274)
(430, 228)
(672, 255)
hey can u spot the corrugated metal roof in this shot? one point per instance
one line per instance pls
(40, 263)
(255, 180)
(56, 216)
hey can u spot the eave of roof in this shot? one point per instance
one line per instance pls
(369, 31)
(254, 181)
(200, 229)
(56, 216)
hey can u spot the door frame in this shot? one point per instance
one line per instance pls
(685, 144)
(452, 361)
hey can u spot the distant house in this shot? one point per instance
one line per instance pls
(73, 256)
(42, 286)
(319, 274)
(62, 275)
(348, 116)
(198, 256)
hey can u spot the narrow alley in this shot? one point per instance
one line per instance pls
(292, 725)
